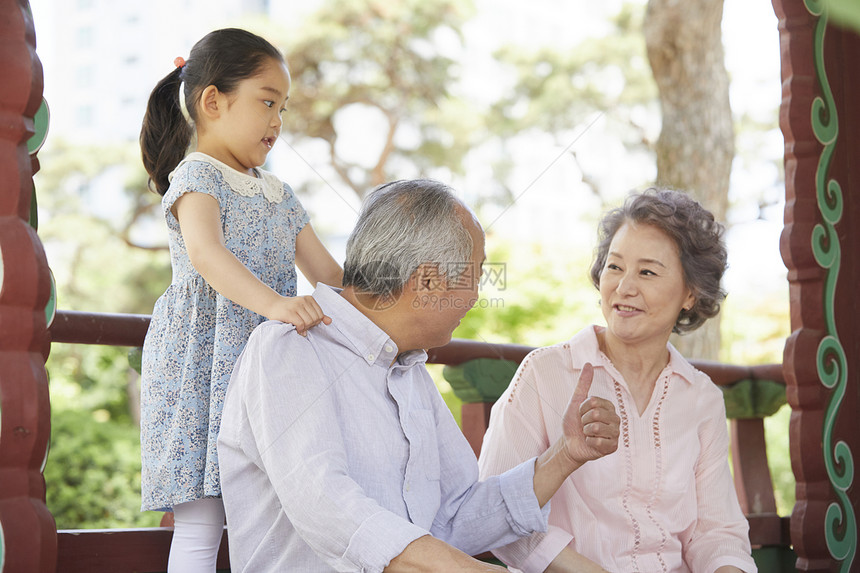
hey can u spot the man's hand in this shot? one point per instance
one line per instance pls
(590, 425)
(589, 431)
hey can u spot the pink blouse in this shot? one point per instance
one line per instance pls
(664, 501)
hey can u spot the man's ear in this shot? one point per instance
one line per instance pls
(427, 279)
(212, 102)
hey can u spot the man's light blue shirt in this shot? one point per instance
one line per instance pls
(334, 456)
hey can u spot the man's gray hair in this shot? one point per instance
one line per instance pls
(403, 225)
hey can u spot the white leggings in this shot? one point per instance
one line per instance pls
(198, 526)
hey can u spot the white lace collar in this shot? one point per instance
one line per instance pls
(246, 185)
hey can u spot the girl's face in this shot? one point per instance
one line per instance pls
(249, 120)
(642, 287)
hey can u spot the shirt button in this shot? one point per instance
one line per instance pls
(371, 357)
(389, 348)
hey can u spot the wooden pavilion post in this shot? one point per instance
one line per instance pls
(821, 123)
(28, 538)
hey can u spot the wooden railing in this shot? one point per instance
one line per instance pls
(146, 550)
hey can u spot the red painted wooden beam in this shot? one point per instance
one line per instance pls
(29, 540)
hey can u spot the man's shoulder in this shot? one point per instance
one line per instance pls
(273, 328)
(273, 332)
(277, 344)
(277, 358)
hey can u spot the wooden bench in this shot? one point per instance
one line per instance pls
(145, 550)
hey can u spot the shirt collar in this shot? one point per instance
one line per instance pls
(360, 333)
(680, 365)
(584, 347)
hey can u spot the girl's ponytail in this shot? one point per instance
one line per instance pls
(165, 134)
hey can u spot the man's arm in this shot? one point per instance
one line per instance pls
(477, 516)
(431, 555)
(590, 429)
(521, 418)
(518, 433)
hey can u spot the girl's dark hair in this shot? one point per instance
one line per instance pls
(222, 59)
(699, 239)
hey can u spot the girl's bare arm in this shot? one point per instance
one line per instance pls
(314, 260)
(200, 222)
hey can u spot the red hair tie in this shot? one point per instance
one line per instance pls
(179, 62)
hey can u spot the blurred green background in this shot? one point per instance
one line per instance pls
(562, 129)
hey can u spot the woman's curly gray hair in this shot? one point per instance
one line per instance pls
(698, 236)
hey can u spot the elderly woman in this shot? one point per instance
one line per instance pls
(665, 500)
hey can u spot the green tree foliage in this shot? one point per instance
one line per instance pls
(90, 379)
(544, 298)
(555, 89)
(93, 472)
(385, 57)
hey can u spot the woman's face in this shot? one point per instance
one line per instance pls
(642, 288)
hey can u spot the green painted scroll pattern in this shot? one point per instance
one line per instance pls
(840, 521)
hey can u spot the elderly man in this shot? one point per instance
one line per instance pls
(337, 452)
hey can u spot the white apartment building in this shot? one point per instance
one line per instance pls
(103, 57)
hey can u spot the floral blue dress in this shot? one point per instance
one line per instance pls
(196, 334)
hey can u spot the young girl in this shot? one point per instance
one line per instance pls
(236, 234)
